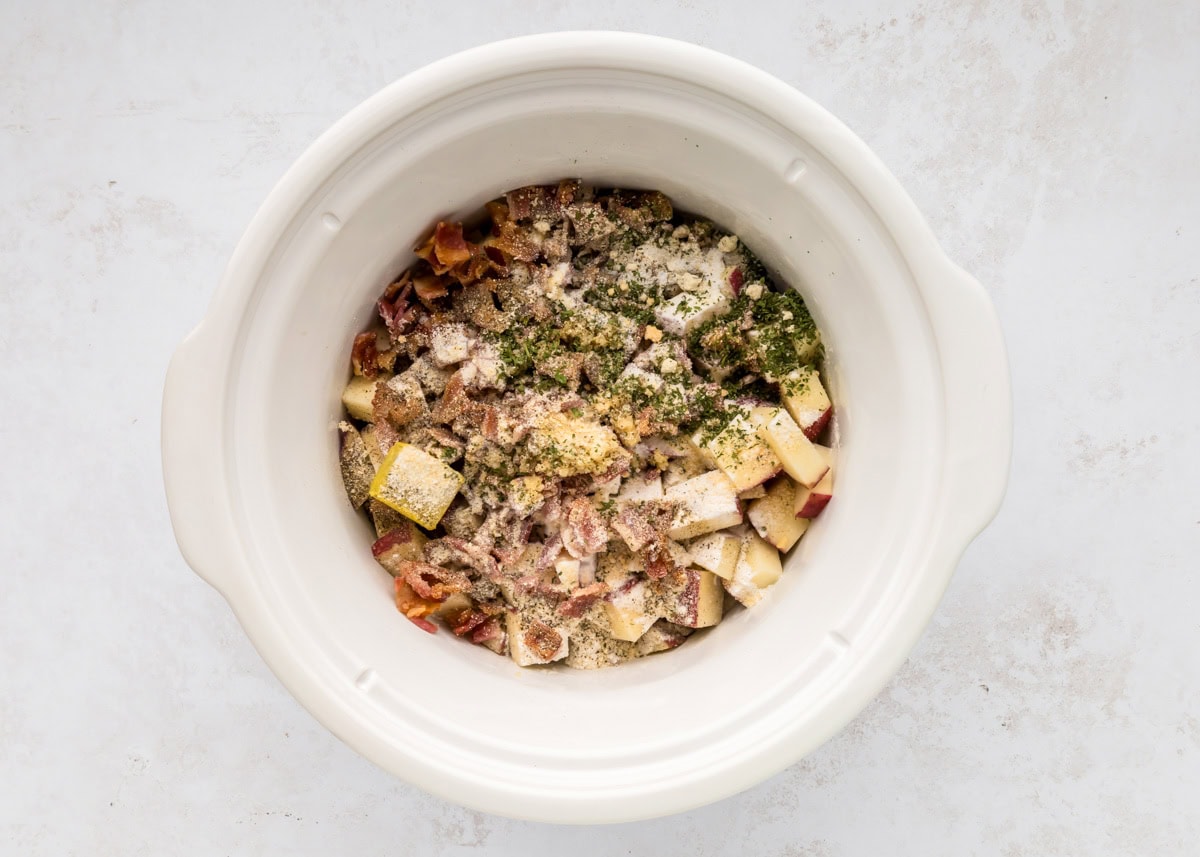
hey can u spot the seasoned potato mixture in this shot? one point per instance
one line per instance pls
(585, 426)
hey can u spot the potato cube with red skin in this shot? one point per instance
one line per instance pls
(358, 397)
(800, 457)
(691, 597)
(774, 515)
(628, 613)
(404, 543)
(661, 637)
(810, 502)
(806, 400)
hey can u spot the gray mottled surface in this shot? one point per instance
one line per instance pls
(1051, 709)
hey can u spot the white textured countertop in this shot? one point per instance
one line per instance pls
(1052, 708)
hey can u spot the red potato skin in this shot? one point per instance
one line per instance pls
(814, 505)
(424, 624)
(735, 281)
(813, 430)
(392, 539)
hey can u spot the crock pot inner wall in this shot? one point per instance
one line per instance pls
(309, 551)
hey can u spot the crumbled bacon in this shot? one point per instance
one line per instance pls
(363, 355)
(454, 401)
(488, 631)
(517, 241)
(542, 640)
(534, 202)
(568, 189)
(411, 604)
(446, 438)
(466, 620)
(585, 532)
(429, 289)
(424, 624)
(637, 525)
(397, 311)
(550, 551)
(582, 600)
(433, 581)
(476, 556)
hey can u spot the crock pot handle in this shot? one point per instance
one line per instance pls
(192, 473)
(979, 419)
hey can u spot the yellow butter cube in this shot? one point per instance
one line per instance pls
(416, 484)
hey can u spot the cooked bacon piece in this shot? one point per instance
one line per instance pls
(640, 524)
(517, 242)
(432, 581)
(454, 402)
(363, 355)
(550, 551)
(542, 640)
(498, 212)
(399, 401)
(445, 248)
(476, 556)
(585, 532)
(465, 620)
(398, 312)
(424, 624)
(411, 604)
(582, 599)
(489, 633)
(477, 306)
(568, 190)
(429, 289)
(566, 368)
(534, 202)
(449, 244)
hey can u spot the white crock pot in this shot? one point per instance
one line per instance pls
(918, 371)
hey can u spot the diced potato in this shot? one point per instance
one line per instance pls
(743, 455)
(774, 515)
(374, 449)
(688, 310)
(402, 543)
(358, 397)
(810, 502)
(806, 400)
(592, 648)
(531, 641)
(638, 488)
(356, 466)
(758, 567)
(706, 503)
(627, 613)
(416, 484)
(693, 598)
(567, 569)
(800, 457)
(661, 637)
(716, 552)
